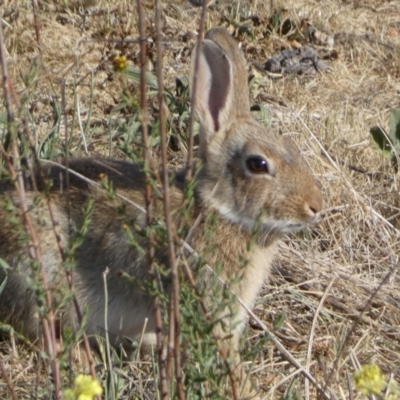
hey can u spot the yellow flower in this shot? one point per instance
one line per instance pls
(85, 388)
(120, 63)
(369, 379)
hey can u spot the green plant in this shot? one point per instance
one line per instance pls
(291, 393)
(389, 142)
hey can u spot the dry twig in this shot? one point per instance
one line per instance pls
(163, 384)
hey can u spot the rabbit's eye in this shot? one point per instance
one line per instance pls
(257, 165)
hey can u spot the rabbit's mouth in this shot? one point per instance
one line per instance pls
(282, 226)
(293, 227)
(263, 225)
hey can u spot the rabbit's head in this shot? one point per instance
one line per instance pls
(249, 174)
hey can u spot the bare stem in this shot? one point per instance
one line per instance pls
(6, 83)
(189, 163)
(174, 327)
(36, 21)
(57, 235)
(163, 385)
(9, 383)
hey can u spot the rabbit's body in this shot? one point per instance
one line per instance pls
(252, 188)
(106, 247)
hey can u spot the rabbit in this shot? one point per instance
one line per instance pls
(254, 181)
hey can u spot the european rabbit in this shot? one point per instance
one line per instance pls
(251, 178)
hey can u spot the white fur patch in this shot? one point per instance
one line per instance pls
(265, 225)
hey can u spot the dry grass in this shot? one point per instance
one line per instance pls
(329, 115)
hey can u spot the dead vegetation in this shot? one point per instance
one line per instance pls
(335, 291)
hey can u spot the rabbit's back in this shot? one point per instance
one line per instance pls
(105, 255)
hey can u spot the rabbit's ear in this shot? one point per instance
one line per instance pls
(222, 91)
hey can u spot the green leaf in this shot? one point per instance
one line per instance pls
(3, 284)
(291, 393)
(394, 127)
(133, 74)
(3, 118)
(48, 146)
(279, 321)
(4, 265)
(381, 139)
(262, 113)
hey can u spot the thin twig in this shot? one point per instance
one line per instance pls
(9, 383)
(114, 40)
(287, 378)
(349, 385)
(57, 234)
(174, 328)
(372, 175)
(189, 163)
(311, 337)
(6, 82)
(36, 21)
(81, 130)
(164, 384)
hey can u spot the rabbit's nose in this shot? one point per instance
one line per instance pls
(314, 207)
(313, 210)
(313, 215)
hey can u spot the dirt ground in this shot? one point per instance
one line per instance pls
(336, 286)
